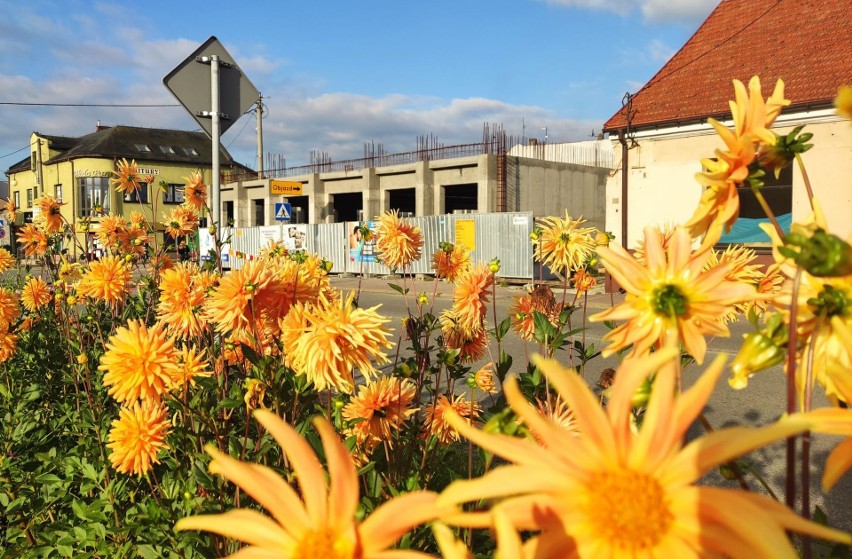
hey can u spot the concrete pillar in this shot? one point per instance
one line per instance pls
(424, 191)
(371, 195)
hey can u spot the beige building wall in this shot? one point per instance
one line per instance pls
(661, 174)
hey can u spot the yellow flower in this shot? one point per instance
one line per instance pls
(436, 423)
(327, 341)
(255, 392)
(398, 243)
(35, 294)
(610, 493)
(127, 178)
(137, 437)
(319, 525)
(380, 408)
(192, 365)
(106, 280)
(671, 291)
(843, 102)
(49, 218)
(450, 260)
(140, 363)
(195, 191)
(720, 202)
(69, 272)
(563, 245)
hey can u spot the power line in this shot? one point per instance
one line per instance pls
(121, 105)
(14, 152)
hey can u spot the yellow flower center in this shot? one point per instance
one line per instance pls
(324, 544)
(629, 509)
(668, 300)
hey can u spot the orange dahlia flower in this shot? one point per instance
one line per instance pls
(195, 191)
(35, 294)
(7, 261)
(321, 524)
(380, 408)
(181, 301)
(450, 261)
(9, 309)
(672, 291)
(612, 493)
(49, 218)
(32, 240)
(140, 363)
(436, 423)
(563, 245)
(327, 341)
(106, 280)
(127, 178)
(137, 437)
(398, 243)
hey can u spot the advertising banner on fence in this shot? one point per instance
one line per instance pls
(296, 237)
(360, 249)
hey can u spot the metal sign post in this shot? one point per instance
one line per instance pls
(215, 110)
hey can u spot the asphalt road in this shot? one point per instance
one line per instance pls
(762, 402)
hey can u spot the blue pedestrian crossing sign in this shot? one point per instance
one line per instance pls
(282, 211)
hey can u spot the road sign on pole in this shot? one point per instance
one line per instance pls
(283, 211)
(215, 98)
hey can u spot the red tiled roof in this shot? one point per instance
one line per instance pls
(807, 43)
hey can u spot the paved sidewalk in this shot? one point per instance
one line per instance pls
(597, 298)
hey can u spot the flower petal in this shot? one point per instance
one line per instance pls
(394, 518)
(245, 525)
(264, 486)
(839, 461)
(305, 464)
(597, 433)
(503, 482)
(343, 488)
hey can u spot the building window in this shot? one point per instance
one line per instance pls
(190, 151)
(57, 192)
(228, 208)
(29, 197)
(173, 194)
(94, 193)
(138, 197)
(18, 199)
(259, 213)
(143, 147)
(778, 194)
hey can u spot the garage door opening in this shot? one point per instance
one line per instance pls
(402, 200)
(460, 197)
(299, 208)
(347, 206)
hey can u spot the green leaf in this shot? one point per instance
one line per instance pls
(398, 289)
(503, 327)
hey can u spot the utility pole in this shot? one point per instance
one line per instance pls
(259, 113)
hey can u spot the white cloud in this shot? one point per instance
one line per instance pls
(689, 12)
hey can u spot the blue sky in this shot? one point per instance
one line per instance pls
(338, 73)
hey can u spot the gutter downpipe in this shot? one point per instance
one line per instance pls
(624, 179)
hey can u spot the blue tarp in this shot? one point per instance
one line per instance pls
(747, 230)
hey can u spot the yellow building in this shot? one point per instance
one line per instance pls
(77, 172)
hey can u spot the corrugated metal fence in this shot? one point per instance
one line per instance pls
(502, 235)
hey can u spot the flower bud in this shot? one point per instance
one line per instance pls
(82, 359)
(758, 352)
(494, 265)
(602, 239)
(422, 299)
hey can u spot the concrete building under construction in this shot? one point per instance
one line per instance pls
(498, 174)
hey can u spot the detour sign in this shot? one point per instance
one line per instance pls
(285, 188)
